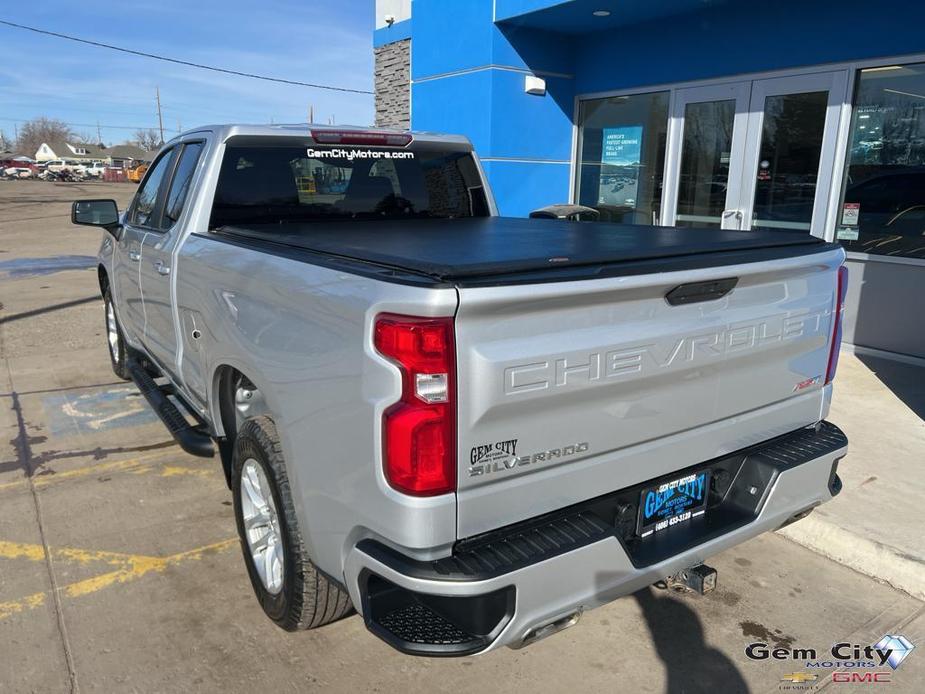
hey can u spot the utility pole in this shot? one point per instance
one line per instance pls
(99, 135)
(179, 126)
(311, 113)
(160, 120)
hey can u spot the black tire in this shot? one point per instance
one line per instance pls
(308, 599)
(117, 356)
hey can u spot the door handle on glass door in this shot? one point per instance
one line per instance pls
(736, 214)
(161, 268)
(134, 256)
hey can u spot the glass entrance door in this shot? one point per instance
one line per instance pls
(792, 128)
(705, 170)
(755, 154)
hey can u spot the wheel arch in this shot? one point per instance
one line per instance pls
(221, 408)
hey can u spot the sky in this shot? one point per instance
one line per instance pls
(319, 41)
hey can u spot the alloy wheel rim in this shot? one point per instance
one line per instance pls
(261, 525)
(112, 332)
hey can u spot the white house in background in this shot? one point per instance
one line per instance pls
(117, 155)
(68, 152)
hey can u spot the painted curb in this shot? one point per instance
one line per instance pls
(869, 557)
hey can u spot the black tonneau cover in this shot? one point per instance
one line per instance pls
(495, 250)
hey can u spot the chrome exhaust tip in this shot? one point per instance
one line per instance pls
(550, 628)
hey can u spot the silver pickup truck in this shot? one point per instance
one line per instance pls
(469, 428)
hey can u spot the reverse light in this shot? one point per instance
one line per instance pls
(837, 317)
(371, 138)
(419, 431)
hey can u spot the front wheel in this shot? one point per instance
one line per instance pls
(291, 591)
(115, 340)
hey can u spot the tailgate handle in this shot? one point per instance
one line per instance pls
(700, 291)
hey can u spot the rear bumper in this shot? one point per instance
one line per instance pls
(498, 588)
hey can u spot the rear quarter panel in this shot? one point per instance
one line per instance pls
(302, 334)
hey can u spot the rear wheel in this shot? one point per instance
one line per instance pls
(114, 339)
(291, 591)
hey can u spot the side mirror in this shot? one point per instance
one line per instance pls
(96, 213)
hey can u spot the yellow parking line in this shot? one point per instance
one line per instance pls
(33, 552)
(139, 465)
(16, 550)
(176, 470)
(134, 566)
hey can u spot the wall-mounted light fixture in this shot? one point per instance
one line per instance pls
(534, 85)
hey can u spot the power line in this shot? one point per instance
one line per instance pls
(182, 62)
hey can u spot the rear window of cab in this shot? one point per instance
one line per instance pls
(274, 184)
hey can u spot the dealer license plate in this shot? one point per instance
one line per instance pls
(665, 505)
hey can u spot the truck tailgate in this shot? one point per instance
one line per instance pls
(569, 390)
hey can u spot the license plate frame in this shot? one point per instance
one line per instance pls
(673, 502)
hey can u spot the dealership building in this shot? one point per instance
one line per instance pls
(792, 115)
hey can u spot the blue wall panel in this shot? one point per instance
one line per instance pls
(450, 35)
(520, 188)
(459, 105)
(527, 126)
(533, 49)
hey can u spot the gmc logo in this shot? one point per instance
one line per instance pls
(861, 677)
(626, 361)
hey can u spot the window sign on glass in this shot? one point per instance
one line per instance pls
(882, 208)
(622, 151)
(621, 156)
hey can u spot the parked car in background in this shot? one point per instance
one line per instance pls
(96, 169)
(18, 172)
(61, 165)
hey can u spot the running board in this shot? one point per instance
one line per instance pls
(191, 439)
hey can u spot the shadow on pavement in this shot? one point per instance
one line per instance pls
(905, 380)
(48, 309)
(677, 634)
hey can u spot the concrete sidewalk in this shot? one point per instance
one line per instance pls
(875, 524)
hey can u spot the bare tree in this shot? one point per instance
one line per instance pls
(6, 144)
(148, 139)
(85, 137)
(38, 130)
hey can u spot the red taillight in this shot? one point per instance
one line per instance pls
(419, 431)
(837, 322)
(361, 137)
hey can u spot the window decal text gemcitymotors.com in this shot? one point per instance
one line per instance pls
(351, 154)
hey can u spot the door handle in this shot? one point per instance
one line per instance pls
(735, 214)
(134, 256)
(161, 268)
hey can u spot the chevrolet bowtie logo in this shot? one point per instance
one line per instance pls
(799, 677)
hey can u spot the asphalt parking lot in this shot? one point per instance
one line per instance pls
(120, 570)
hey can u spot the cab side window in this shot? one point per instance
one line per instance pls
(179, 186)
(144, 211)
